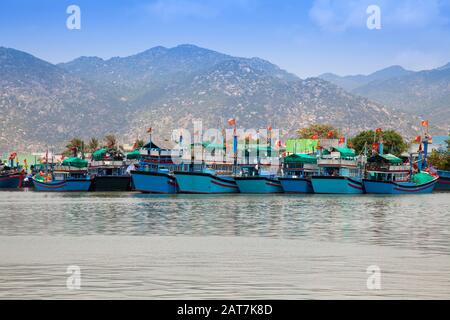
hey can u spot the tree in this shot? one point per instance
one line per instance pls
(110, 141)
(93, 144)
(138, 144)
(440, 159)
(319, 131)
(73, 147)
(392, 141)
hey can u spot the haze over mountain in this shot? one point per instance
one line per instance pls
(423, 93)
(166, 88)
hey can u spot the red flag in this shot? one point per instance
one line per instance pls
(418, 139)
(341, 140)
(232, 122)
(374, 146)
(149, 130)
(315, 136)
(269, 128)
(424, 123)
(378, 130)
(330, 134)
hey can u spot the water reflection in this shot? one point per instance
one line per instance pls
(407, 221)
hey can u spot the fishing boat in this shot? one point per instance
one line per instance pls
(297, 172)
(340, 172)
(71, 175)
(154, 172)
(444, 180)
(109, 171)
(253, 179)
(206, 179)
(11, 177)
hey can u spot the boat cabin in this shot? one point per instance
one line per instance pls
(300, 165)
(387, 167)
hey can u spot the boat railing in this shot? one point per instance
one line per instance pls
(336, 162)
(103, 163)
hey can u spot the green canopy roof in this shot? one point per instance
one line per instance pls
(134, 155)
(300, 157)
(345, 152)
(385, 157)
(99, 154)
(75, 162)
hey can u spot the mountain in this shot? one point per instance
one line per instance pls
(423, 93)
(166, 88)
(42, 104)
(354, 81)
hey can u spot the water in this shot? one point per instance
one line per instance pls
(130, 245)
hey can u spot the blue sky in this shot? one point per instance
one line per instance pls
(304, 37)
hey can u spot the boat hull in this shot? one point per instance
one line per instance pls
(390, 187)
(444, 181)
(11, 181)
(337, 185)
(111, 183)
(296, 185)
(259, 185)
(75, 185)
(153, 182)
(205, 183)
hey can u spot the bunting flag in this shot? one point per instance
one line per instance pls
(232, 122)
(424, 123)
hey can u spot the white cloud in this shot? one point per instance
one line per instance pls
(338, 15)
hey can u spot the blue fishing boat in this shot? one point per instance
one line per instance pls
(252, 179)
(340, 172)
(71, 176)
(297, 172)
(154, 172)
(444, 180)
(11, 180)
(202, 179)
(11, 177)
(388, 174)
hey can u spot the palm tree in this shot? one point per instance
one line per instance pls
(138, 144)
(93, 144)
(73, 147)
(110, 141)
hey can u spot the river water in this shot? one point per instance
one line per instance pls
(129, 245)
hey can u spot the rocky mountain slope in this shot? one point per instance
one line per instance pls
(424, 93)
(165, 88)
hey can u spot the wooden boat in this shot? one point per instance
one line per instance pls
(205, 180)
(297, 172)
(11, 180)
(444, 180)
(340, 172)
(71, 176)
(11, 177)
(388, 174)
(154, 172)
(109, 171)
(252, 179)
